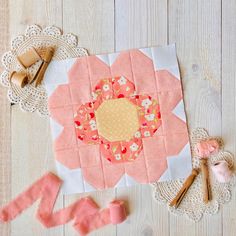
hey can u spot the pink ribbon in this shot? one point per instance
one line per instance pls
(86, 214)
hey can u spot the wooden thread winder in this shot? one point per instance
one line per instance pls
(29, 58)
(19, 78)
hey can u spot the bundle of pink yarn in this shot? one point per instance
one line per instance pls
(206, 148)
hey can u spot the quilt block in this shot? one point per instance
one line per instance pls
(118, 119)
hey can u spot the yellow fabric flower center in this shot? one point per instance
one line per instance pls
(117, 119)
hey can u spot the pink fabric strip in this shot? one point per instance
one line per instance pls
(84, 212)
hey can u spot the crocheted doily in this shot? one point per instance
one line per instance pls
(192, 204)
(31, 98)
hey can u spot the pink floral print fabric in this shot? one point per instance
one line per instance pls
(148, 113)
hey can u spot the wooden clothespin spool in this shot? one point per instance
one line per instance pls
(47, 57)
(187, 183)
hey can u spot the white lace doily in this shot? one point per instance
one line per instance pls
(31, 98)
(192, 204)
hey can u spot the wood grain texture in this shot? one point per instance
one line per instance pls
(205, 35)
(229, 101)
(140, 23)
(5, 122)
(93, 22)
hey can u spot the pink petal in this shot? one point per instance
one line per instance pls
(122, 66)
(137, 169)
(69, 158)
(143, 72)
(90, 155)
(94, 176)
(60, 97)
(156, 168)
(112, 174)
(79, 72)
(175, 143)
(168, 100)
(80, 92)
(62, 115)
(154, 148)
(98, 70)
(66, 139)
(172, 124)
(166, 81)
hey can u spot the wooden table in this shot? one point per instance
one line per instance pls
(205, 34)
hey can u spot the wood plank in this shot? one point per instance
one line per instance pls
(5, 123)
(140, 24)
(31, 139)
(229, 101)
(196, 28)
(93, 22)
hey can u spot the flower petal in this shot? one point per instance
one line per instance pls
(155, 169)
(60, 97)
(62, 115)
(173, 125)
(175, 143)
(137, 169)
(154, 148)
(66, 139)
(144, 76)
(166, 81)
(94, 176)
(90, 155)
(123, 66)
(112, 174)
(98, 70)
(69, 158)
(168, 100)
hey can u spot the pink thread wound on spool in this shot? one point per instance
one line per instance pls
(117, 211)
(206, 148)
(222, 171)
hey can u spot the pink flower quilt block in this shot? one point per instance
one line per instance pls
(118, 119)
